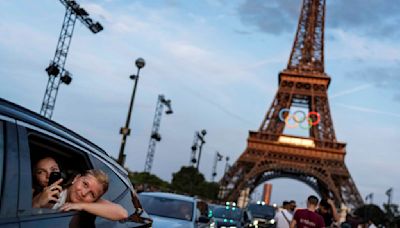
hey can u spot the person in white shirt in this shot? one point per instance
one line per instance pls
(283, 217)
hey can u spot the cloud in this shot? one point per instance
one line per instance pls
(381, 77)
(372, 18)
(350, 91)
(351, 46)
(367, 110)
(275, 17)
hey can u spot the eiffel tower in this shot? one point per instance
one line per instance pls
(316, 160)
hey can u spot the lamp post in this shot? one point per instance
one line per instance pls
(218, 157)
(389, 194)
(200, 136)
(125, 131)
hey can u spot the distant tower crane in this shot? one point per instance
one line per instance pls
(218, 157)
(227, 166)
(56, 71)
(155, 136)
(193, 159)
(198, 136)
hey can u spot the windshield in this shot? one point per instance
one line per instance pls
(166, 207)
(233, 213)
(262, 211)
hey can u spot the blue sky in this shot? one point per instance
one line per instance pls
(218, 61)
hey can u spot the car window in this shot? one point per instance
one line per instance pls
(167, 207)
(71, 161)
(116, 185)
(262, 211)
(1, 154)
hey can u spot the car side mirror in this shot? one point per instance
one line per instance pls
(203, 219)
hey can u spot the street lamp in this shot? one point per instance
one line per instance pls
(125, 131)
(200, 136)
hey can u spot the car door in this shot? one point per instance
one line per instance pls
(8, 173)
(42, 217)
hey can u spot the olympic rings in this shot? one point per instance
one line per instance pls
(299, 121)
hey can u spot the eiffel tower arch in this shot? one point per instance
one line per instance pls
(316, 160)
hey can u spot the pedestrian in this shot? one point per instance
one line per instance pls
(308, 217)
(283, 217)
(292, 206)
(328, 211)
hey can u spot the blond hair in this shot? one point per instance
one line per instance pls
(100, 176)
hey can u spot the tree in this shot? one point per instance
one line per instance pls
(209, 190)
(187, 180)
(147, 181)
(392, 214)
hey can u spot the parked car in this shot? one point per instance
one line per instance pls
(230, 216)
(172, 210)
(263, 214)
(25, 137)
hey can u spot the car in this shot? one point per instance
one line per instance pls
(230, 216)
(172, 210)
(25, 136)
(263, 214)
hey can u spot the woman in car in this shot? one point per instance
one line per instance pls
(42, 194)
(83, 194)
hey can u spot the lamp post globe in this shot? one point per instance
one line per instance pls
(140, 63)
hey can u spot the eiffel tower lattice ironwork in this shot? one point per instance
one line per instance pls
(316, 160)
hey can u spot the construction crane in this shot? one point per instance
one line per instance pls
(218, 157)
(155, 135)
(55, 70)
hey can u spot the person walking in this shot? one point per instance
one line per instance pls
(283, 217)
(308, 217)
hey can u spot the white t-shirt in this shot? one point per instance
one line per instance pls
(281, 221)
(61, 200)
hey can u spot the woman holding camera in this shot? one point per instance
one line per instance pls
(43, 194)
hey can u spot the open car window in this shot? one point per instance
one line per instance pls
(70, 160)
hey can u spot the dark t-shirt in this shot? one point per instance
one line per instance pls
(328, 218)
(308, 219)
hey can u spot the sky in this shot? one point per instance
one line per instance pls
(218, 61)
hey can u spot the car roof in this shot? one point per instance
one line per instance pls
(22, 114)
(169, 196)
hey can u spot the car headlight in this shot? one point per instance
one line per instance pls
(255, 222)
(272, 221)
(212, 225)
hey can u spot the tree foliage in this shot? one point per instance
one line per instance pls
(188, 180)
(148, 181)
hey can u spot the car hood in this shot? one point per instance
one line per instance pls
(161, 222)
